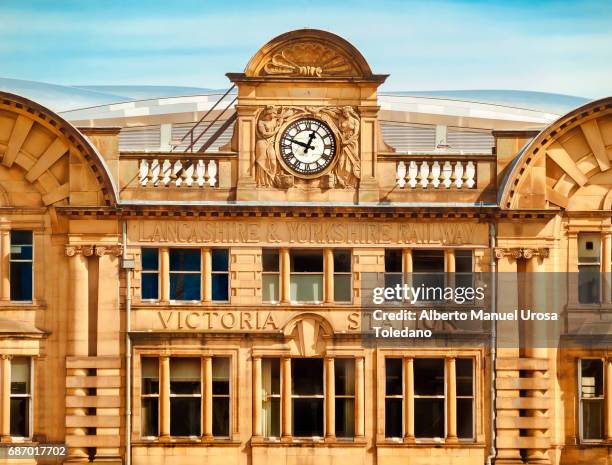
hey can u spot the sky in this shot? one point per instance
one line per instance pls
(549, 46)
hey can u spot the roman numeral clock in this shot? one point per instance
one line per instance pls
(307, 147)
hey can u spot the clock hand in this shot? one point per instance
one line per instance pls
(307, 146)
(310, 138)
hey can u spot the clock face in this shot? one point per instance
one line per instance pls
(307, 146)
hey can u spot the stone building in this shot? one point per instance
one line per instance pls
(189, 305)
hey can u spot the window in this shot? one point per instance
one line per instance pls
(185, 396)
(307, 397)
(306, 276)
(270, 368)
(591, 393)
(150, 396)
(21, 397)
(150, 274)
(393, 398)
(221, 396)
(465, 398)
(428, 270)
(21, 265)
(393, 267)
(343, 291)
(429, 402)
(463, 268)
(589, 262)
(270, 291)
(220, 275)
(185, 274)
(344, 382)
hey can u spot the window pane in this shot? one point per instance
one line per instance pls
(185, 375)
(185, 286)
(21, 280)
(393, 418)
(271, 417)
(150, 259)
(592, 419)
(270, 288)
(344, 381)
(588, 284)
(220, 416)
(150, 416)
(393, 376)
(342, 261)
(150, 375)
(21, 237)
(463, 369)
(20, 375)
(307, 288)
(428, 261)
(393, 261)
(220, 287)
(591, 378)
(428, 377)
(269, 260)
(185, 416)
(270, 368)
(150, 286)
(307, 376)
(221, 376)
(307, 261)
(345, 418)
(220, 260)
(342, 288)
(465, 420)
(185, 260)
(307, 417)
(463, 261)
(429, 418)
(20, 417)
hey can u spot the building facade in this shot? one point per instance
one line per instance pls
(197, 306)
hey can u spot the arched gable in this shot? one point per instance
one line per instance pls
(568, 165)
(48, 149)
(308, 53)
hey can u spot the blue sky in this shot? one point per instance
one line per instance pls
(550, 46)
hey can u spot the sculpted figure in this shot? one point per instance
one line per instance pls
(348, 169)
(268, 124)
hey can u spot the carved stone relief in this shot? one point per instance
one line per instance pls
(344, 122)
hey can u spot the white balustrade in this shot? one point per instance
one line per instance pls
(459, 174)
(180, 173)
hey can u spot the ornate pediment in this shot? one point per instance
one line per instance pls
(308, 53)
(308, 59)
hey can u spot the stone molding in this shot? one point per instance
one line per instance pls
(89, 250)
(520, 252)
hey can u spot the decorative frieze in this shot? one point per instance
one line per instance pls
(89, 250)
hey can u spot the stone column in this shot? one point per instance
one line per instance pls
(5, 401)
(606, 266)
(328, 276)
(286, 397)
(164, 397)
(78, 333)
(206, 275)
(285, 276)
(408, 399)
(608, 397)
(359, 398)
(257, 399)
(451, 400)
(449, 267)
(330, 399)
(207, 433)
(164, 274)
(5, 253)
(407, 266)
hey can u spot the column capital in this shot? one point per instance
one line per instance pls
(115, 250)
(520, 252)
(85, 250)
(5, 357)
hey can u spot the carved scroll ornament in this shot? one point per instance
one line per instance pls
(308, 59)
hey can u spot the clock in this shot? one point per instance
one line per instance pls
(307, 147)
